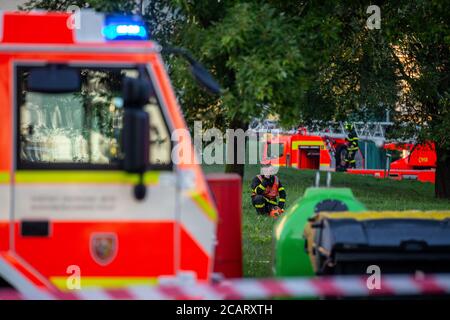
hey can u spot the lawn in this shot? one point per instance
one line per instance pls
(376, 194)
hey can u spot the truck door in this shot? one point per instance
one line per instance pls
(74, 209)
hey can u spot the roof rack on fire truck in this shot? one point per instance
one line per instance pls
(370, 130)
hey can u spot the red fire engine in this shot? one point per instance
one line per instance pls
(88, 181)
(303, 150)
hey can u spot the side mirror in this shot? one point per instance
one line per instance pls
(136, 128)
(54, 79)
(136, 140)
(204, 78)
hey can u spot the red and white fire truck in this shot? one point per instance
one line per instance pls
(88, 179)
(304, 150)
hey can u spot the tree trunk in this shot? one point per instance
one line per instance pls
(442, 182)
(233, 164)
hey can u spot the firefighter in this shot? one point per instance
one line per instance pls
(352, 146)
(266, 188)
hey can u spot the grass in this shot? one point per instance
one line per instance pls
(376, 194)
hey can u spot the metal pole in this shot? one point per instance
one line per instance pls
(388, 163)
(328, 179)
(317, 182)
(365, 154)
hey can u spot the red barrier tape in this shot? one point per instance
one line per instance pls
(336, 286)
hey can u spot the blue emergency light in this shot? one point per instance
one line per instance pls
(124, 28)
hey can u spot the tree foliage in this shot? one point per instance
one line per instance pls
(263, 56)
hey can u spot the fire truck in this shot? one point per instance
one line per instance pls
(91, 181)
(304, 150)
(322, 151)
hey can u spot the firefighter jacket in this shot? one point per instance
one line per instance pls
(269, 189)
(352, 140)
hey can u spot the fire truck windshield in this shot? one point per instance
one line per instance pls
(82, 128)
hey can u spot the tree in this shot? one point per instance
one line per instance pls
(403, 67)
(261, 55)
(422, 56)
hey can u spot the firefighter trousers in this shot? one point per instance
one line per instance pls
(350, 161)
(262, 204)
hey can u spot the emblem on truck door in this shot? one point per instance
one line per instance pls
(103, 247)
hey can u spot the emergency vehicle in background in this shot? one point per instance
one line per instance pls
(87, 177)
(323, 151)
(305, 151)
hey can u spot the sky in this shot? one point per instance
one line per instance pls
(10, 4)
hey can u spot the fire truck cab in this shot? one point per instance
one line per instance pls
(75, 197)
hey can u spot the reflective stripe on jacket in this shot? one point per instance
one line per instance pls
(270, 192)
